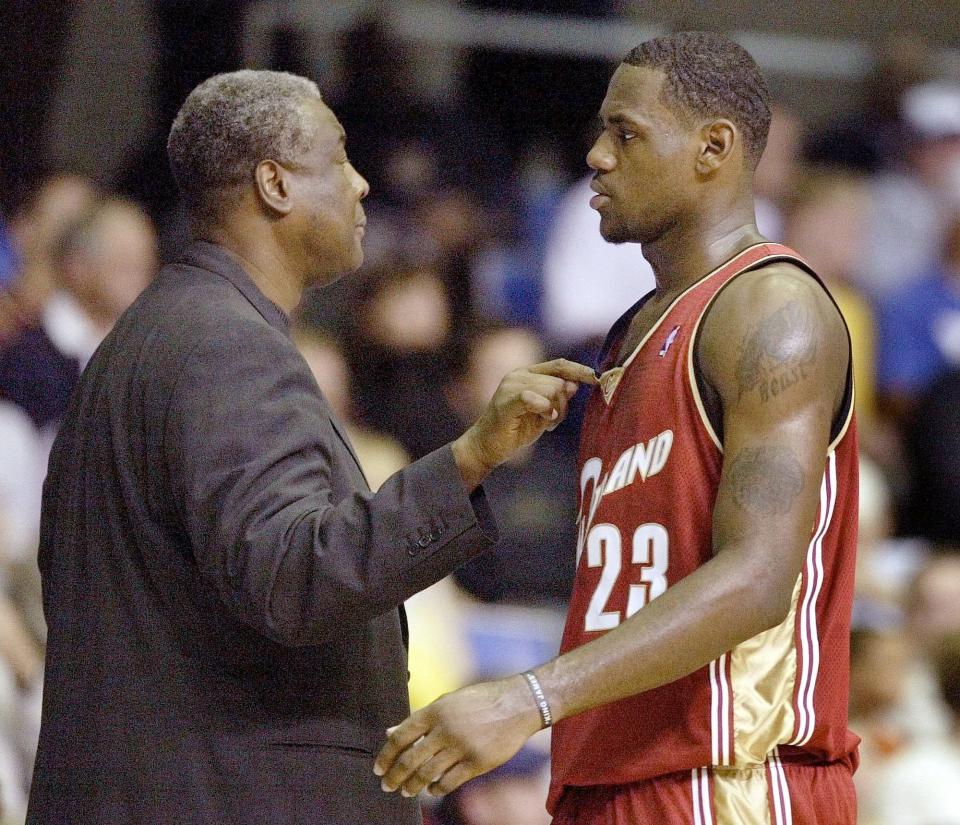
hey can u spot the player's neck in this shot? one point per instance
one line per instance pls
(690, 250)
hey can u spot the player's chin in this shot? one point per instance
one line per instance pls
(612, 230)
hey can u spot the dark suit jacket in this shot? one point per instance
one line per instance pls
(220, 586)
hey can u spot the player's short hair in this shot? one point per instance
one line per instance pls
(709, 75)
(230, 123)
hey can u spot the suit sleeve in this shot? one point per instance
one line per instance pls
(250, 453)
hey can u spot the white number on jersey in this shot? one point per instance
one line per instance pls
(651, 554)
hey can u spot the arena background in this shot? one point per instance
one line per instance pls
(471, 121)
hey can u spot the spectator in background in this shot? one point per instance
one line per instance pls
(922, 785)
(885, 564)
(101, 263)
(776, 174)
(587, 282)
(453, 226)
(825, 224)
(9, 264)
(933, 449)
(878, 660)
(507, 273)
(409, 173)
(21, 656)
(34, 234)
(920, 327)
(912, 205)
(21, 669)
(932, 604)
(402, 357)
(871, 137)
(23, 464)
(534, 494)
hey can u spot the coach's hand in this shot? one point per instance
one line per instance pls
(460, 736)
(527, 402)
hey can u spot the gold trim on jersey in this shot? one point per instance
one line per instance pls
(692, 375)
(695, 390)
(691, 372)
(740, 795)
(763, 674)
(846, 423)
(608, 398)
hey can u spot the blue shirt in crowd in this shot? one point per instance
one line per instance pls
(9, 265)
(919, 333)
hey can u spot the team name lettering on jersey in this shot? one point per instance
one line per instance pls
(645, 460)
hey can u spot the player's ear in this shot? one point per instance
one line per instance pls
(717, 141)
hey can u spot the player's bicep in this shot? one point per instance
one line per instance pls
(778, 363)
(770, 486)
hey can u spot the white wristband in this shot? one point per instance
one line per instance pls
(542, 705)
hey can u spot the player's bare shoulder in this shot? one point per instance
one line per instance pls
(774, 336)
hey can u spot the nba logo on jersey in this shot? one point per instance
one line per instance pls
(669, 342)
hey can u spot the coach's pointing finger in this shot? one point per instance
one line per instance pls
(570, 370)
(527, 402)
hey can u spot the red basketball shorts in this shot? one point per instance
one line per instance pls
(770, 794)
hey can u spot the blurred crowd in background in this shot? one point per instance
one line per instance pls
(482, 256)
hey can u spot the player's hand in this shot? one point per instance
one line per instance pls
(460, 736)
(527, 402)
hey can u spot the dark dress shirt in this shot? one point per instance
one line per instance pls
(220, 585)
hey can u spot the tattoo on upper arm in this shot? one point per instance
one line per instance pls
(771, 362)
(766, 480)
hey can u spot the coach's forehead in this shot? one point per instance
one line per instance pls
(322, 116)
(328, 133)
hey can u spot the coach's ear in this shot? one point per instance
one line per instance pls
(273, 186)
(717, 141)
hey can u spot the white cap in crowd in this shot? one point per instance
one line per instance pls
(933, 109)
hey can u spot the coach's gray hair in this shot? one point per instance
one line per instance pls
(231, 122)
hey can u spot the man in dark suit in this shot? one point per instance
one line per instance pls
(221, 588)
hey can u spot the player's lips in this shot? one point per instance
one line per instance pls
(598, 201)
(601, 198)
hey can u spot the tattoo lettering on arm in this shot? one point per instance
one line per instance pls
(766, 480)
(771, 360)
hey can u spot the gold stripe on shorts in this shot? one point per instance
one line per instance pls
(740, 796)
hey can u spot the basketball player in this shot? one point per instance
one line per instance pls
(703, 675)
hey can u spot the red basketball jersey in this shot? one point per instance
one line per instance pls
(649, 473)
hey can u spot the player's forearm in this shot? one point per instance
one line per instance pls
(691, 624)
